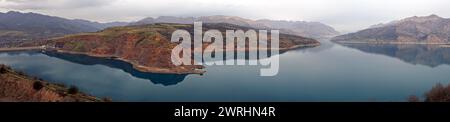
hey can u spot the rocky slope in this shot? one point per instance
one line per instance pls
(300, 28)
(17, 87)
(416, 30)
(148, 47)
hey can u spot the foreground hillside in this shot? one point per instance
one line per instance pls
(17, 87)
(148, 47)
(414, 30)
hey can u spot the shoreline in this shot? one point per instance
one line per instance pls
(135, 65)
(21, 49)
(279, 49)
(446, 46)
(399, 43)
(299, 46)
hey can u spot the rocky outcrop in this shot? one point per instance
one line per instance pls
(148, 47)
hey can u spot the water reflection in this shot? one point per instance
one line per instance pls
(429, 55)
(332, 73)
(164, 79)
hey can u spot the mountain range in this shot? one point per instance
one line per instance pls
(430, 29)
(30, 26)
(314, 30)
(16, 26)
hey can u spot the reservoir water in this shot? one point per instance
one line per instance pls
(330, 72)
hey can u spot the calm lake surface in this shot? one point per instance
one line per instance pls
(330, 72)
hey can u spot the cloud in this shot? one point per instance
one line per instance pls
(344, 15)
(51, 4)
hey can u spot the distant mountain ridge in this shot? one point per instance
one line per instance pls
(430, 29)
(300, 28)
(28, 26)
(31, 26)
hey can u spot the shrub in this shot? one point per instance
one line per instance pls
(37, 85)
(438, 93)
(3, 69)
(21, 73)
(59, 85)
(73, 90)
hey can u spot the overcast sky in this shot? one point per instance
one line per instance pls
(343, 15)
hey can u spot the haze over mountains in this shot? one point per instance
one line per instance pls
(31, 26)
(28, 26)
(427, 30)
(315, 30)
